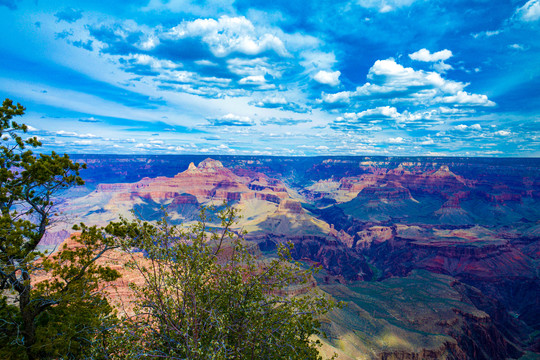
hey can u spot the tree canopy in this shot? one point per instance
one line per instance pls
(52, 318)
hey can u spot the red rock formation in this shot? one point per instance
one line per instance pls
(210, 180)
(291, 206)
(391, 191)
(373, 235)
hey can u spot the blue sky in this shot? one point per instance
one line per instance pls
(342, 77)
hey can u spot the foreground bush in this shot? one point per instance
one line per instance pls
(207, 295)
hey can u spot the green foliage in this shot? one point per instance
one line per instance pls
(208, 295)
(50, 306)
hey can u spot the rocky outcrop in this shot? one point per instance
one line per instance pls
(328, 252)
(372, 236)
(391, 191)
(291, 206)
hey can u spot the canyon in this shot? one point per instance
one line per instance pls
(435, 258)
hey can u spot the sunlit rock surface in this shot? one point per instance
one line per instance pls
(436, 258)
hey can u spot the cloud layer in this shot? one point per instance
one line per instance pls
(392, 77)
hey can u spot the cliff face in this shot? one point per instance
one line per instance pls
(470, 226)
(387, 320)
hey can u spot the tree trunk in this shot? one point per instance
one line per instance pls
(28, 318)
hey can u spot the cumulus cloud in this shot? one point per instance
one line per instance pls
(396, 140)
(529, 12)
(426, 56)
(279, 102)
(327, 77)
(503, 133)
(150, 61)
(256, 81)
(464, 98)
(389, 117)
(379, 113)
(214, 58)
(232, 120)
(392, 82)
(339, 99)
(463, 127)
(230, 34)
(436, 58)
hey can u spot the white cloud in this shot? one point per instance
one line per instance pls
(342, 97)
(464, 98)
(517, 47)
(427, 142)
(254, 67)
(426, 56)
(257, 81)
(396, 140)
(314, 60)
(376, 113)
(149, 43)
(230, 34)
(74, 134)
(271, 102)
(327, 78)
(392, 82)
(441, 67)
(530, 11)
(388, 116)
(503, 133)
(395, 77)
(463, 127)
(143, 59)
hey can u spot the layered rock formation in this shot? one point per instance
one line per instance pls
(463, 233)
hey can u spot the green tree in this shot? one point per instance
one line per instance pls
(208, 294)
(56, 317)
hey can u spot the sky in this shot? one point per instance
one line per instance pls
(279, 77)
